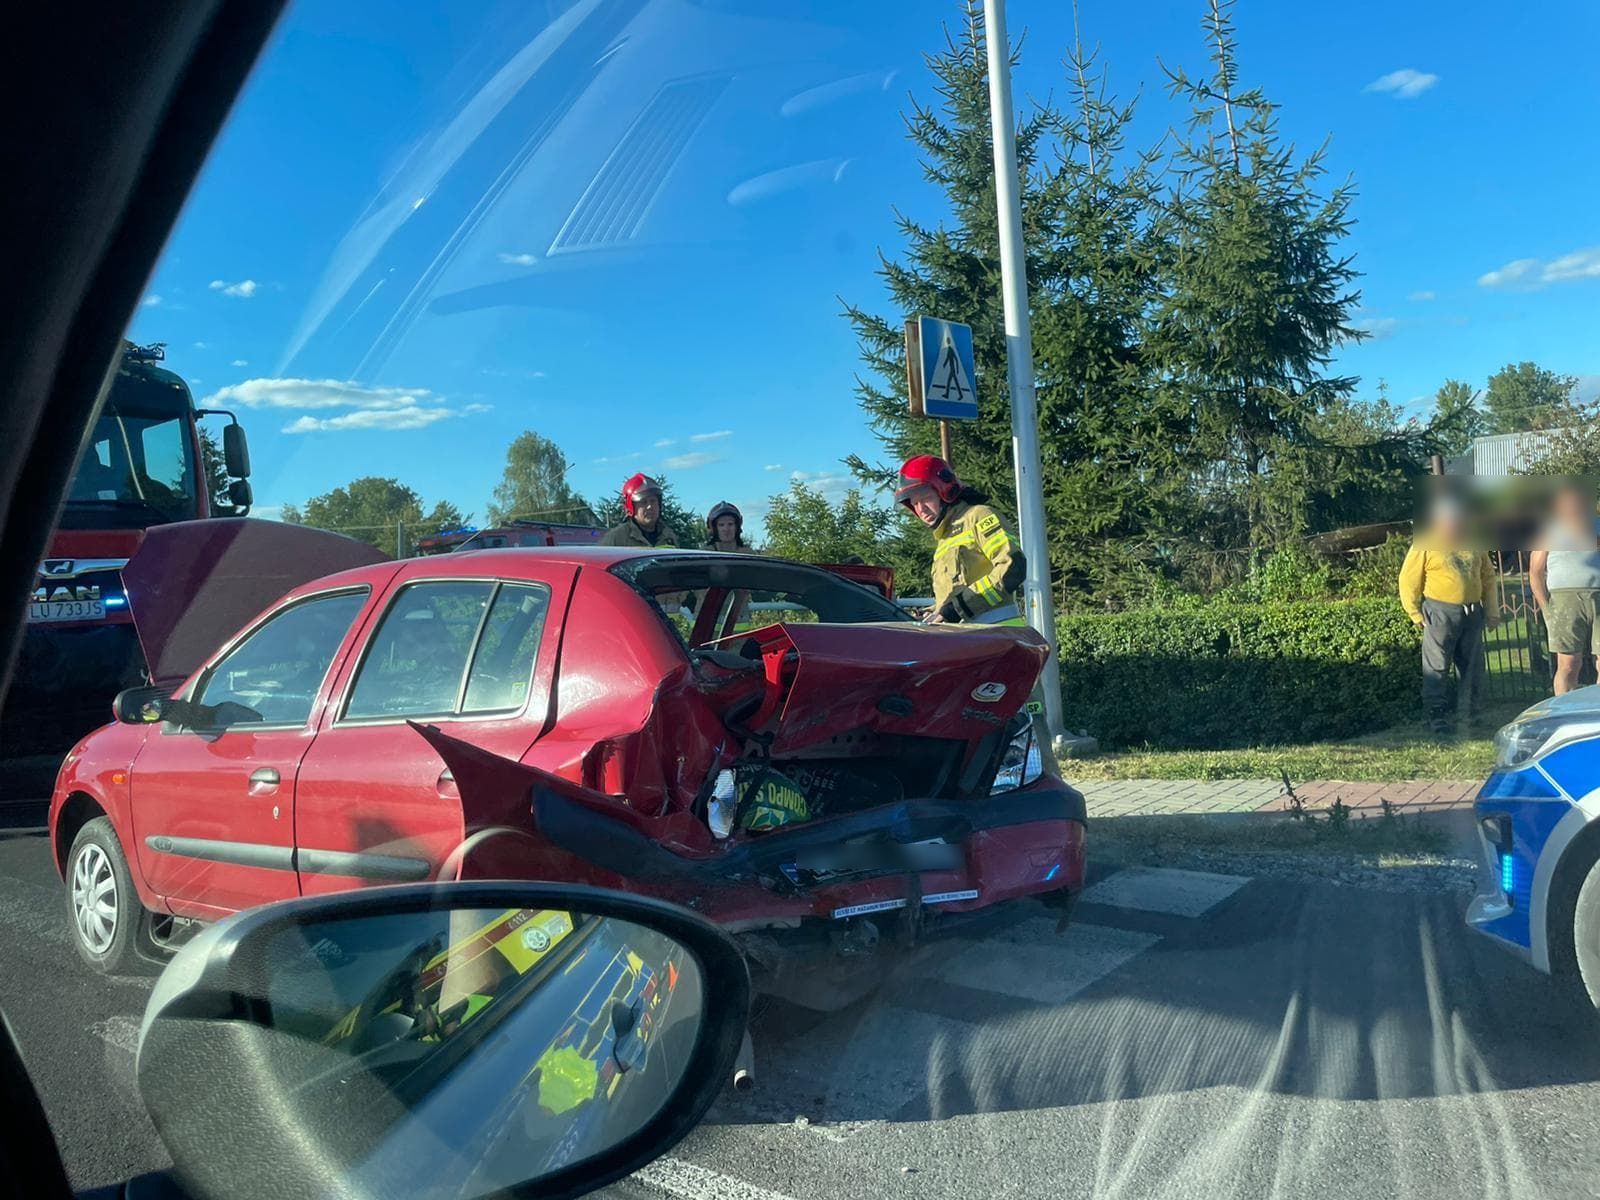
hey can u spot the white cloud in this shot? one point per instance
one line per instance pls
(663, 443)
(688, 462)
(1530, 274)
(773, 467)
(267, 512)
(150, 302)
(1378, 329)
(1404, 84)
(242, 290)
(473, 409)
(319, 393)
(202, 345)
(518, 260)
(1512, 274)
(614, 458)
(372, 418)
(1580, 264)
(515, 373)
(240, 362)
(370, 407)
(829, 484)
(1422, 296)
(715, 436)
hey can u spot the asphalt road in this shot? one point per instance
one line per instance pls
(1189, 1035)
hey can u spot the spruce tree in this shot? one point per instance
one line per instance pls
(1095, 258)
(1259, 297)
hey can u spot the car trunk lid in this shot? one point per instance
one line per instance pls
(824, 681)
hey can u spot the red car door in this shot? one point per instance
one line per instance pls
(373, 801)
(213, 805)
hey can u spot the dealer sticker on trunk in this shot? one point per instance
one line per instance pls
(858, 910)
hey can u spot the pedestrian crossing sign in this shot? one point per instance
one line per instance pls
(940, 372)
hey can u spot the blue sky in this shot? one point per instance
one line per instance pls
(628, 224)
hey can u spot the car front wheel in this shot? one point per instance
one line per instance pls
(101, 902)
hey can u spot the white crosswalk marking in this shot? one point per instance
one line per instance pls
(1033, 962)
(907, 1049)
(687, 1181)
(1164, 890)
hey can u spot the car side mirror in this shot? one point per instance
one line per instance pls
(235, 451)
(440, 1040)
(140, 705)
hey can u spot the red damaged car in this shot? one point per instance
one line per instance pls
(769, 743)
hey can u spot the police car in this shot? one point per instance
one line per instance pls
(1539, 825)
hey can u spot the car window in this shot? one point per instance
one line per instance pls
(276, 671)
(502, 667)
(416, 660)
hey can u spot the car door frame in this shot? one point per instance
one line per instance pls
(316, 858)
(541, 691)
(190, 906)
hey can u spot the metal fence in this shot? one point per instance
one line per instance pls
(1517, 660)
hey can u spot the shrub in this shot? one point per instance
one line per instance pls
(1295, 573)
(1239, 674)
(1376, 572)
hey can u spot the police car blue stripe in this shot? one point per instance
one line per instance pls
(1575, 767)
(1529, 783)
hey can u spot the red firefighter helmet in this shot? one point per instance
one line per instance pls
(927, 471)
(636, 489)
(724, 509)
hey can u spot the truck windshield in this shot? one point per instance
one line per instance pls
(138, 468)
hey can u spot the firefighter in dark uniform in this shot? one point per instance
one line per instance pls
(641, 500)
(725, 529)
(977, 563)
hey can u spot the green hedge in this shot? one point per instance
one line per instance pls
(1240, 674)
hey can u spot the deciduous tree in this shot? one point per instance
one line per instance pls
(534, 484)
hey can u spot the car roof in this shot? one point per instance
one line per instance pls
(508, 561)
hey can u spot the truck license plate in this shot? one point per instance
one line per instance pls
(66, 610)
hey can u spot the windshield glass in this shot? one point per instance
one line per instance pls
(138, 466)
(1209, 430)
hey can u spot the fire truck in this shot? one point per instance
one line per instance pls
(142, 466)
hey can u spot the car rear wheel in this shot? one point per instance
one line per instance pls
(101, 902)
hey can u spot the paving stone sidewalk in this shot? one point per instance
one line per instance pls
(1173, 797)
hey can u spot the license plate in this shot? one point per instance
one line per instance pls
(67, 610)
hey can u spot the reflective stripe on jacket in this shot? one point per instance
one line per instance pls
(977, 563)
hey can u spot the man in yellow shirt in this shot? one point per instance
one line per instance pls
(1448, 589)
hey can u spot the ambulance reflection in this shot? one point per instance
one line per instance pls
(614, 1009)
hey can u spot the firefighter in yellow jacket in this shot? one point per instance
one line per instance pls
(977, 563)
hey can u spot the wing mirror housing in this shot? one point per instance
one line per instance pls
(431, 1040)
(140, 705)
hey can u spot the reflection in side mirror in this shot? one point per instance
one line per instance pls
(235, 451)
(440, 1040)
(140, 705)
(241, 494)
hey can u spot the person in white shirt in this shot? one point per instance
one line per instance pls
(1565, 576)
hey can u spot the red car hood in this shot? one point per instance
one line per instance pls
(193, 584)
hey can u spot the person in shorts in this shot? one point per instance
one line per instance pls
(1565, 577)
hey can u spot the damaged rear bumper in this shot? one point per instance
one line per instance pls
(1022, 843)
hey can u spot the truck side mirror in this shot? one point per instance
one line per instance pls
(236, 452)
(241, 494)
